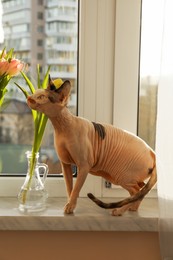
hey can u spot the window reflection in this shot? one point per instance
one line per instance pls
(45, 33)
(150, 62)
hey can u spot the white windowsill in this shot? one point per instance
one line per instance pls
(87, 217)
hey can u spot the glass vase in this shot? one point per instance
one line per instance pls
(33, 195)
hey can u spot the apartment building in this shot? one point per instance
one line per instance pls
(43, 32)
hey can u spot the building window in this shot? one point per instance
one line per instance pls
(40, 15)
(39, 42)
(101, 97)
(40, 2)
(16, 130)
(40, 28)
(20, 28)
(39, 56)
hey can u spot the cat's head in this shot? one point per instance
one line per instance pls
(50, 100)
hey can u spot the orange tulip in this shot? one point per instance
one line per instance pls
(4, 65)
(9, 67)
(14, 67)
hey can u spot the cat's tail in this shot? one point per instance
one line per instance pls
(138, 196)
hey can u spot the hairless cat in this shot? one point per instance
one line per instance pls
(100, 149)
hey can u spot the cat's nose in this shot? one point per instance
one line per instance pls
(32, 101)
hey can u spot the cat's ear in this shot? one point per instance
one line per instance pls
(64, 91)
(51, 85)
(65, 88)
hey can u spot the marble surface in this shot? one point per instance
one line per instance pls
(87, 217)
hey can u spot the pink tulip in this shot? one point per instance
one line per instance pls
(15, 66)
(4, 65)
(11, 68)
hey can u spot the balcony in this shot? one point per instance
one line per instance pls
(62, 47)
(60, 31)
(55, 3)
(11, 6)
(63, 74)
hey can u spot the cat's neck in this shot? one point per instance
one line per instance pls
(62, 121)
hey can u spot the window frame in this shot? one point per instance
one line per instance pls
(107, 78)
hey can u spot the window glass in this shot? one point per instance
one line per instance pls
(150, 62)
(55, 45)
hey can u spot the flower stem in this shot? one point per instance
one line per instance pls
(32, 164)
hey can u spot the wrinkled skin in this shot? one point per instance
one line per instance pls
(120, 157)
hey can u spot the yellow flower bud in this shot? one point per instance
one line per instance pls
(58, 83)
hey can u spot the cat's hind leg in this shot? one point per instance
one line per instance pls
(131, 207)
(132, 189)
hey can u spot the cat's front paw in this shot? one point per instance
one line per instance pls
(68, 209)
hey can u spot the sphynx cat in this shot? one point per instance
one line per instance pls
(100, 149)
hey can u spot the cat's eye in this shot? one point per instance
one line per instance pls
(41, 97)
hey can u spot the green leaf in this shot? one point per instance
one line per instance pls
(2, 94)
(29, 83)
(4, 80)
(38, 76)
(2, 53)
(42, 125)
(9, 55)
(40, 121)
(34, 114)
(26, 94)
(46, 78)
